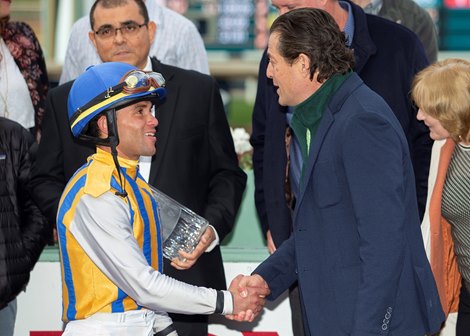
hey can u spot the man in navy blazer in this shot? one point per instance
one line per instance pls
(356, 247)
(387, 56)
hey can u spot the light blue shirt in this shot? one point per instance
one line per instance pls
(349, 26)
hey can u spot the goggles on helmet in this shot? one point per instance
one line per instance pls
(132, 83)
(141, 81)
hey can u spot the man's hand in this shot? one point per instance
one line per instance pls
(187, 260)
(249, 294)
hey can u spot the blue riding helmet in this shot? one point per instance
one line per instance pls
(108, 87)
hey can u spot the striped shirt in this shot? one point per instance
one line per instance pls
(456, 206)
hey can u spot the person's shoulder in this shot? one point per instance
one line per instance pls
(8, 124)
(380, 25)
(82, 24)
(408, 7)
(383, 31)
(62, 89)
(173, 23)
(17, 29)
(414, 16)
(19, 26)
(182, 74)
(172, 17)
(11, 129)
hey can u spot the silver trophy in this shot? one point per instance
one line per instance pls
(181, 227)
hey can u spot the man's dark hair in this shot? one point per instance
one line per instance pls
(313, 32)
(92, 129)
(118, 3)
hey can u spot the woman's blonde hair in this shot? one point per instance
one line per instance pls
(442, 90)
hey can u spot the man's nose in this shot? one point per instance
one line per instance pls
(152, 121)
(269, 71)
(118, 35)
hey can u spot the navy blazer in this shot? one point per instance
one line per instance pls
(387, 57)
(356, 249)
(195, 162)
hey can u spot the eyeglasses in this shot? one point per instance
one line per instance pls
(127, 29)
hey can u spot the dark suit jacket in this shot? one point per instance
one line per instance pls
(195, 162)
(387, 58)
(356, 248)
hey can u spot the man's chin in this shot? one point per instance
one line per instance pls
(281, 102)
(124, 58)
(149, 153)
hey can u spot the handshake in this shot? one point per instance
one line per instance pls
(249, 295)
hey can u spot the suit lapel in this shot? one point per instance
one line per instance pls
(165, 115)
(325, 124)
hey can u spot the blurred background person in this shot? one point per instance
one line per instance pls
(409, 14)
(442, 93)
(23, 230)
(23, 76)
(177, 42)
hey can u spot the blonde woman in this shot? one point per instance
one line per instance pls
(442, 93)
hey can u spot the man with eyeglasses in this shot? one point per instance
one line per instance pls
(177, 42)
(195, 162)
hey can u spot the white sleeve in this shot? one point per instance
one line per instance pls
(102, 228)
(215, 242)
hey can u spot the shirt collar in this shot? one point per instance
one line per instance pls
(148, 66)
(349, 26)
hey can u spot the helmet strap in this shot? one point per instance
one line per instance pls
(113, 141)
(114, 154)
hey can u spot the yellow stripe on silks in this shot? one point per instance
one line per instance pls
(92, 109)
(93, 291)
(100, 182)
(153, 228)
(69, 237)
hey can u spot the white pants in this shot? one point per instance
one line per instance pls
(132, 323)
